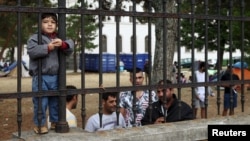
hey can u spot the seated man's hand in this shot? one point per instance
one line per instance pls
(159, 120)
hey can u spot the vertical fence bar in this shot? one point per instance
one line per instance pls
(62, 125)
(242, 53)
(206, 48)
(39, 70)
(118, 45)
(83, 40)
(164, 48)
(19, 70)
(149, 58)
(134, 62)
(218, 55)
(230, 14)
(100, 18)
(192, 53)
(178, 53)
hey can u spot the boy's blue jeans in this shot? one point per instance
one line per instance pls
(49, 82)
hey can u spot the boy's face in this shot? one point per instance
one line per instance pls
(48, 25)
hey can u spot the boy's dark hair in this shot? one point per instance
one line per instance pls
(70, 97)
(52, 15)
(107, 94)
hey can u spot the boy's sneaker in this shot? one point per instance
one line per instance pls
(43, 130)
(53, 126)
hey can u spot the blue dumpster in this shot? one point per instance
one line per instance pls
(127, 59)
(92, 62)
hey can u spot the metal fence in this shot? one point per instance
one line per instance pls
(18, 9)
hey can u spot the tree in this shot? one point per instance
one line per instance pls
(8, 25)
(218, 31)
(170, 38)
(74, 32)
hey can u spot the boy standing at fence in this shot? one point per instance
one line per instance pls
(47, 52)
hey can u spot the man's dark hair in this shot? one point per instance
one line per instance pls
(161, 82)
(136, 70)
(131, 72)
(70, 97)
(106, 95)
(52, 15)
(202, 64)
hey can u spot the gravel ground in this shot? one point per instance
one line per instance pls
(8, 108)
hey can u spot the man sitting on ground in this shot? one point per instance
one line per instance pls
(109, 118)
(71, 103)
(170, 109)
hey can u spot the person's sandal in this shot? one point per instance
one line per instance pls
(44, 130)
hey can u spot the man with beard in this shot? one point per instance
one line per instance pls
(108, 116)
(170, 110)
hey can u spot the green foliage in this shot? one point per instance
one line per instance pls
(9, 25)
(74, 29)
(213, 33)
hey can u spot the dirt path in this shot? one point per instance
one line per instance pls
(8, 108)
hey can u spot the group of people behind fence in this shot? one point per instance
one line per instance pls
(134, 105)
(165, 107)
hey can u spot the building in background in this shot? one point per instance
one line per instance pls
(125, 38)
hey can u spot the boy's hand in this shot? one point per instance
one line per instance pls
(57, 42)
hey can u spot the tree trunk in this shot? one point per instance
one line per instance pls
(171, 28)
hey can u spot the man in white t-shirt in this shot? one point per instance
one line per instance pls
(108, 116)
(71, 103)
(200, 92)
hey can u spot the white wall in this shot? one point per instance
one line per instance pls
(200, 55)
(126, 32)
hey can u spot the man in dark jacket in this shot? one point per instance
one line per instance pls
(170, 109)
